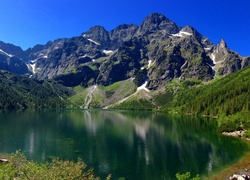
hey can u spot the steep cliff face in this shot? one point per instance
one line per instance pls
(157, 51)
(12, 59)
(122, 65)
(13, 50)
(122, 33)
(226, 60)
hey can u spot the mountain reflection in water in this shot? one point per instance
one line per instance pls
(130, 144)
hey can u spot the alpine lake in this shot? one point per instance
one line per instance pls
(126, 144)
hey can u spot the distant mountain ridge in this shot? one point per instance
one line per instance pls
(157, 51)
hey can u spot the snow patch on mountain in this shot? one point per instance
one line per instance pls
(6, 53)
(107, 52)
(32, 66)
(184, 65)
(143, 87)
(83, 56)
(205, 40)
(213, 58)
(149, 63)
(207, 48)
(91, 40)
(181, 34)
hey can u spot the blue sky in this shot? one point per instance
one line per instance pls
(29, 22)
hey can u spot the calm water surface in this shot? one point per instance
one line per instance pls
(132, 145)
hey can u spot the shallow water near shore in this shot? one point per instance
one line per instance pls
(128, 144)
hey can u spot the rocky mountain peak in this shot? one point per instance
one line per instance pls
(155, 18)
(12, 49)
(96, 29)
(156, 21)
(189, 29)
(192, 31)
(222, 48)
(227, 61)
(98, 35)
(222, 44)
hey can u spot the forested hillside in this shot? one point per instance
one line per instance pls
(227, 99)
(19, 92)
(227, 96)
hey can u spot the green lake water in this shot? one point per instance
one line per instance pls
(126, 144)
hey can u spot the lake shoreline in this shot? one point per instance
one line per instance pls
(239, 134)
(242, 166)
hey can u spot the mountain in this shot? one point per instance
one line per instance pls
(12, 58)
(13, 50)
(227, 61)
(157, 65)
(153, 54)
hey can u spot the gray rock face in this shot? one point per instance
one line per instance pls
(157, 22)
(124, 64)
(157, 51)
(98, 35)
(122, 34)
(13, 50)
(245, 62)
(11, 62)
(227, 60)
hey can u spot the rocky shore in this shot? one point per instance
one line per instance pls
(4, 160)
(239, 134)
(241, 175)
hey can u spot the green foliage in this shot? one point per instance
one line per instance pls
(164, 99)
(191, 83)
(103, 95)
(19, 167)
(247, 134)
(135, 104)
(97, 100)
(93, 66)
(186, 176)
(227, 98)
(78, 99)
(18, 92)
(115, 86)
(238, 121)
(183, 176)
